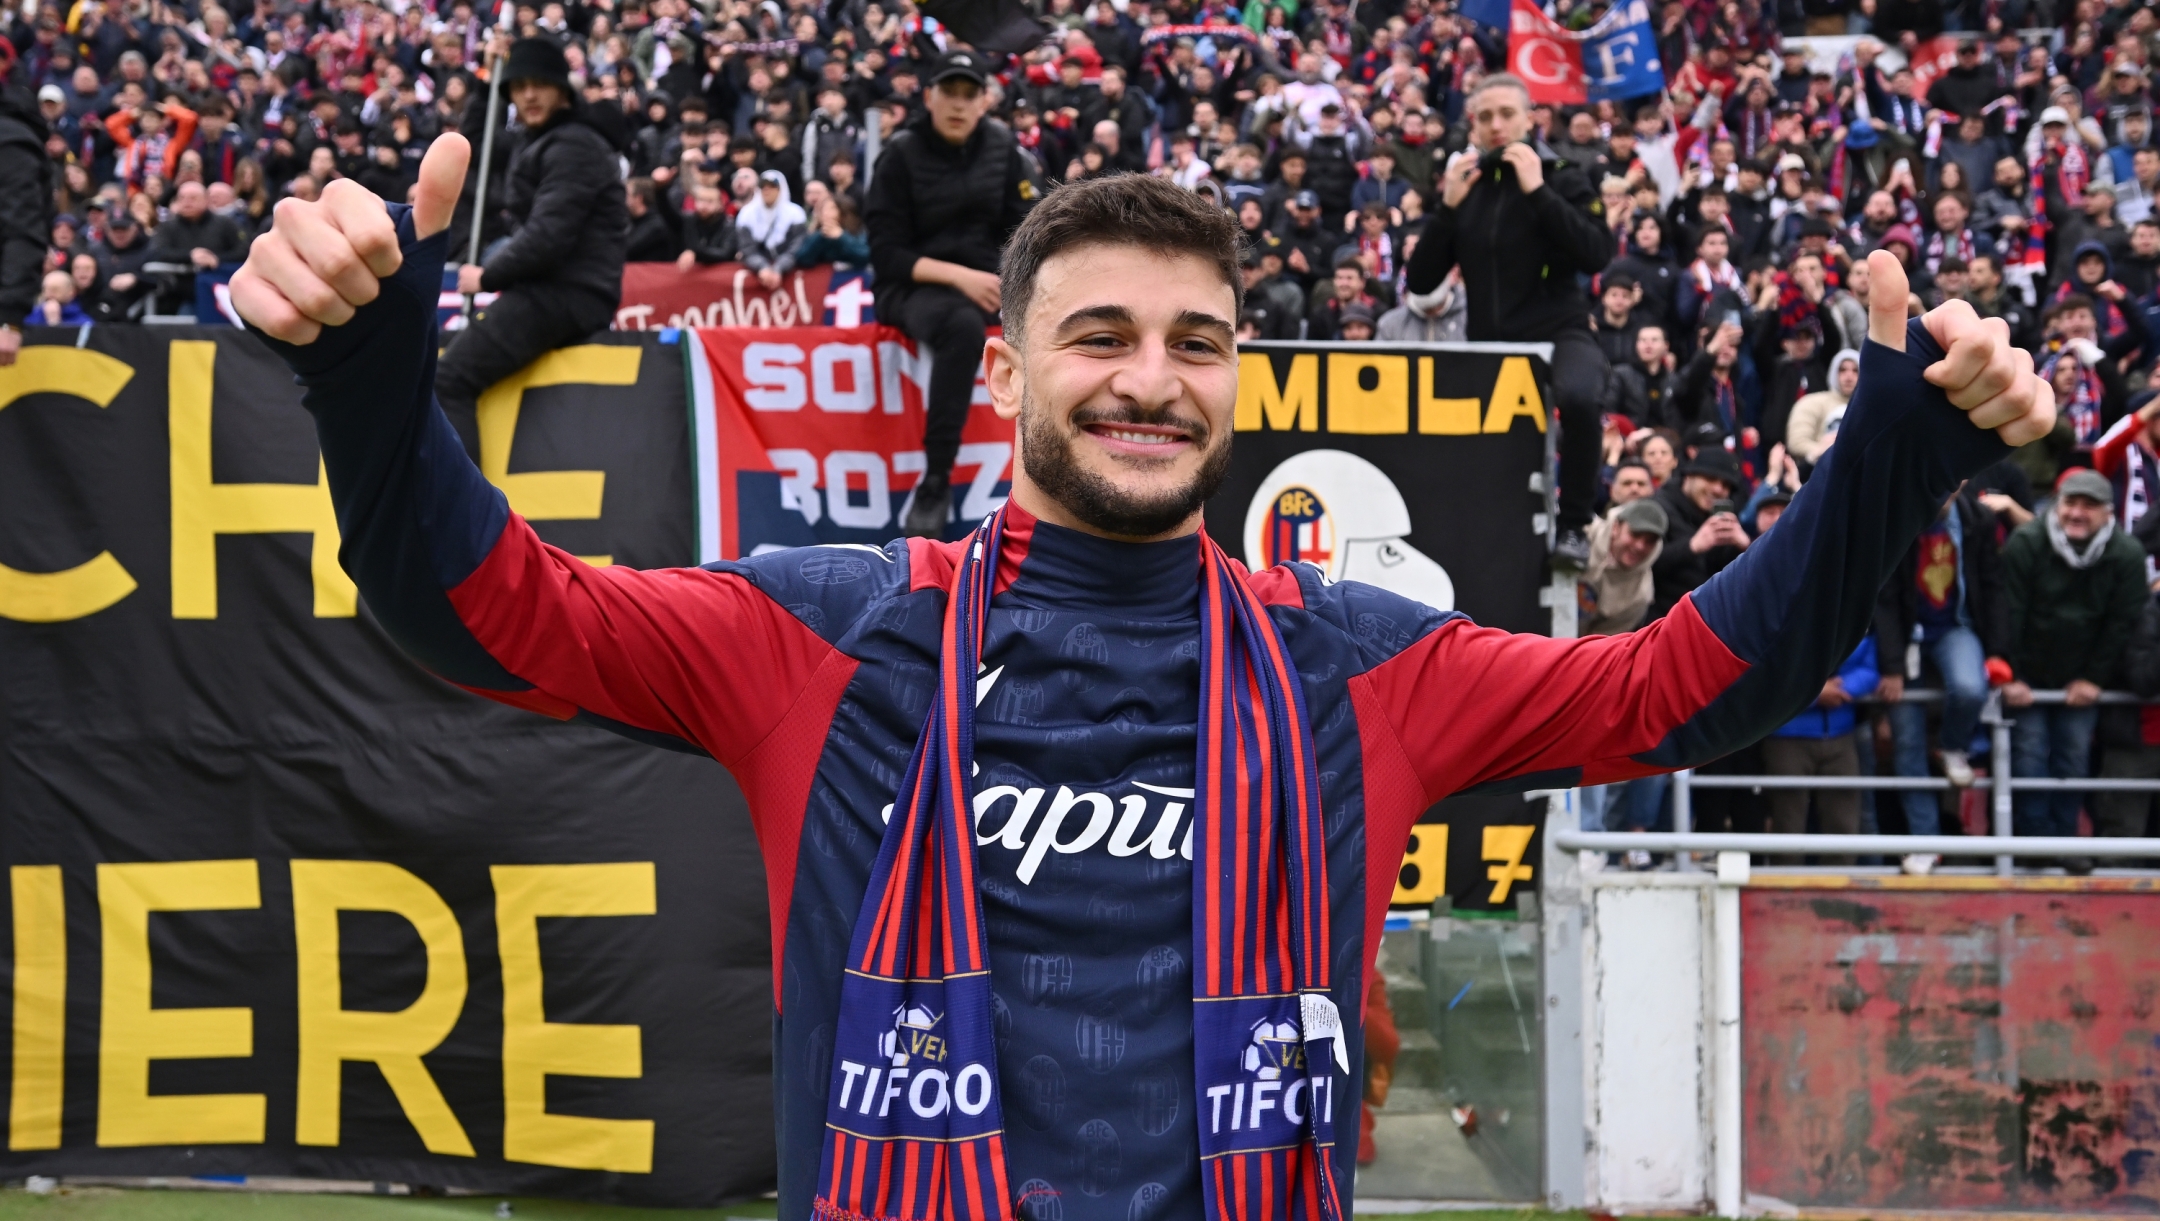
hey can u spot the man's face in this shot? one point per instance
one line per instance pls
(956, 106)
(2008, 173)
(1069, 74)
(1631, 483)
(1292, 169)
(2091, 269)
(1848, 376)
(1767, 516)
(1629, 549)
(189, 201)
(2099, 203)
(2081, 518)
(1982, 276)
(1881, 209)
(2076, 324)
(1617, 300)
(1953, 282)
(1124, 390)
(2145, 240)
(1949, 214)
(1807, 272)
(1651, 346)
(1712, 248)
(2147, 165)
(1714, 208)
(1113, 84)
(1349, 282)
(707, 202)
(1499, 116)
(536, 101)
(1582, 129)
(1704, 491)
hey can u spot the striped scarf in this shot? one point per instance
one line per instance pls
(913, 1118)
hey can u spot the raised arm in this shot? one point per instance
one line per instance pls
(345, 290)
(1474, 706)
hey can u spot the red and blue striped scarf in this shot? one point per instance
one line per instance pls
(913, 1118)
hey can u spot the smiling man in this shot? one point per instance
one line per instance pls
(1078, 834)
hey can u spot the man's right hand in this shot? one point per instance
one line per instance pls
(1721, 530)
(1891, 688)
(323, 260)
(981, 287)
(2017, 694)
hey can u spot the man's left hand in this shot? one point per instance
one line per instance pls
(203, 258)
(1529, 171)
(1833, 694)
(468, 278)
(1982, 372)
(2078, 693)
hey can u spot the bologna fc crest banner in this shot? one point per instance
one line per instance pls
(1416, 468)
(282, 904)
(814, 435)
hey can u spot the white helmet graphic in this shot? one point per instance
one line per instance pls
(1337, 511)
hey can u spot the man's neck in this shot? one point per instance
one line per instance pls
(1035, 501)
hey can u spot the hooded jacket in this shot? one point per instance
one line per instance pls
(2070, 623)
(1814, 421)
(25, 205)
(564, 200)
(1521, 255)
(1611, 599)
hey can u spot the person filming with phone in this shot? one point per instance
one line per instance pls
(1523, 225)
(1705, 532)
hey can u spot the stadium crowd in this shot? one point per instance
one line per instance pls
(144, 140)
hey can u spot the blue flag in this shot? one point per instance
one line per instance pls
(1619, 53)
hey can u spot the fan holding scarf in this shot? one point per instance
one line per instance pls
(1077, 833)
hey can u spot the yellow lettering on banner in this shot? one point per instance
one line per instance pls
(100, 581)
(1428, 855)
(1514, 393)
(550, 495)
(132, 1034)
(40, 1003)
(1383, 409)
(1506, 845)
(1442, 417)
(535, 1048)
(1295, 403)
(331, 1034)
(202, 508)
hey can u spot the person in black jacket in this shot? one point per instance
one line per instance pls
(560, 270)
(948, 189)
(25, 206)
(1522, 224)
(1946, 601)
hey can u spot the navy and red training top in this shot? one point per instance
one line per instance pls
(807, 673)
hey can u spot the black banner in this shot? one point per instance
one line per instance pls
(283, 904)
(1415, 468)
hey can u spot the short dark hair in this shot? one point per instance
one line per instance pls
(1117, 210)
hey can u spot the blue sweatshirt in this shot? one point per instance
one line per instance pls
(1860, 677)
(807, 673)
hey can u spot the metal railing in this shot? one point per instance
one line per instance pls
(2000, 784)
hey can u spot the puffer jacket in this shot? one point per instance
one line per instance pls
(569, 225)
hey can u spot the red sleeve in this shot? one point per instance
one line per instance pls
(1470, 705)
(2109, 454)
(690, 653)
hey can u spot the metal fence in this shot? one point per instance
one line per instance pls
(2002, 843)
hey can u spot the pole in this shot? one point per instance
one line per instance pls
(2002, 823)
(487, 146)
(1725, 1124)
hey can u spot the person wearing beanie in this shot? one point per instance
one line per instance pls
(559, 272)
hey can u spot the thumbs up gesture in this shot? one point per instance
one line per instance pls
(1982, 372)
(323, 260)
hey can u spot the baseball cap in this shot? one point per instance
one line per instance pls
(1645, 516)
(1777, 496)
(1358, 311)
(2054, 114)
(2090, 484)
(51, 93)
(1305, 199)
(962, 65)
(121, 218)
(1791, 161)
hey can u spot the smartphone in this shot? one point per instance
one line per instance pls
(1720, 505)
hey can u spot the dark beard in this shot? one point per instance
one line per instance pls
(1048, 454)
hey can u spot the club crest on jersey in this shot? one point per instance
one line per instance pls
(1298, 528)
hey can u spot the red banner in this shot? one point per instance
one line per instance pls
(1545, 57)
(656, 295)
(1930, 60)
(814, 435)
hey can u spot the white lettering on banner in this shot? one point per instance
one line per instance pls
(851, 1071)
(989, 459)
(775, 377)
(892, 1091)
(826, 361)
(840, 497)
(928, 1110)
(1288, 1097)
(1613, 53)
(894, 363)
(977, 1103)
(798, 482)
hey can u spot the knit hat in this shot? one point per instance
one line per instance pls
(540, 60)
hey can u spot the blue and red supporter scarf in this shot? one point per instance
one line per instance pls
(914, 1123)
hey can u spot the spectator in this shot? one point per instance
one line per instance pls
(1650, 265)
(1814, 422)
(1704, 530)
(652, 238)
(1613, 593)
(947, 191)
(1439, 316)
(1642, 386)
(1945, 608)
(768, 227)
(2076, 587)
(1522, 236)
(1631, 481)
(1355, 323)
(1819, 742)
(56, 302)
(26, 189)
(708, 235)
(1615, 323)
(2131, 735)
(559, 272)
(197, 236)
(836, 237)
